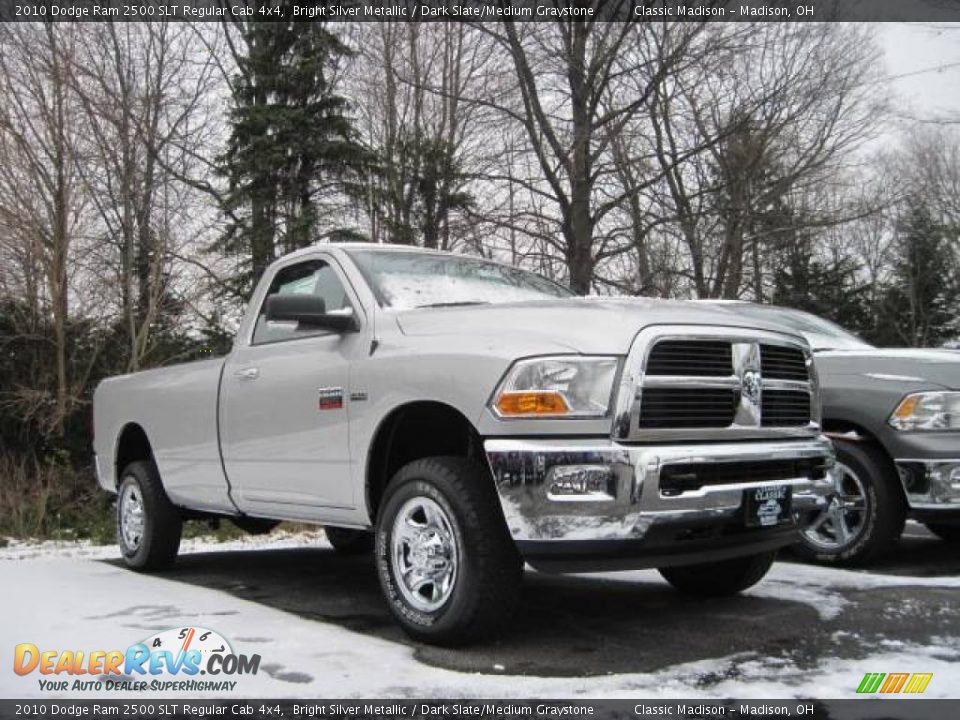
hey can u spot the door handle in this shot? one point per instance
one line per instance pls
(248, 373)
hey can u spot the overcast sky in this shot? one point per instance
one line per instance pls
(916, 47)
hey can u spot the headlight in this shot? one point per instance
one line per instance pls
(928, 411)
(558, 386)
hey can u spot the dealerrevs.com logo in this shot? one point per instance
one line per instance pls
(190, 659)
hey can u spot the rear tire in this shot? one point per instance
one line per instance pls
(870, 526)
(350, 542)
(447, 565)
(148, 524)
(727, 577)
(947, 533)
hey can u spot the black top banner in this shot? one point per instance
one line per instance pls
(481, 10)
(475, 709)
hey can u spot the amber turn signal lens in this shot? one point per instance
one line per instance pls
(906, 408)
(532, 403)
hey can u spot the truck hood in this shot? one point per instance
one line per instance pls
(584, 325)
(897, 365)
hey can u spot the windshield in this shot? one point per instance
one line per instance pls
(821, 334)
(406, 280)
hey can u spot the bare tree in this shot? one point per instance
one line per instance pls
(772, 126)
(41, 206)
(142, 87)
(573, 100)
(408, 86)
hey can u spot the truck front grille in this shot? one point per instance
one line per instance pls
(700, 358)
(720, 382)
(783, 363)
(784, 408)
(687, 477)
(687, 408)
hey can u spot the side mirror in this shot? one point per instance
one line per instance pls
(308, 311)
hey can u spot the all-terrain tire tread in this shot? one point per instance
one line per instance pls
(163, 524)
(494, 555)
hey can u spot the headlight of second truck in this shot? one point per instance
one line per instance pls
(927, 411)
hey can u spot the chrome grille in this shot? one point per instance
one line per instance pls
(783, 363)
(704, 382)
(785, 408)
(703, 358)
(687, 408)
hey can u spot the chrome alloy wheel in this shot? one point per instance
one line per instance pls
(845, 517)
(424, 554)
(131, 516)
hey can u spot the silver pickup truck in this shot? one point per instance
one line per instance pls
(459, 417)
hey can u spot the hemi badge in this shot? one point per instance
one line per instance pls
(329, 398)
(358, 397)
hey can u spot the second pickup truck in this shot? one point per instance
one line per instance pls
(460, 417)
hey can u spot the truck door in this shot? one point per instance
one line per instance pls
(283, 402)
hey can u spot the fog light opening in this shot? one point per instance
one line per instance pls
(914, 478)
(581, 482)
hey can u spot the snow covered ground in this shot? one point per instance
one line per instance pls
(62, 596)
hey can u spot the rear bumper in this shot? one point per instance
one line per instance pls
(597, 504)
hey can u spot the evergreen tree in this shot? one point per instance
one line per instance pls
(416, 188)
(828, 287)
(921, 304)
(291, 139)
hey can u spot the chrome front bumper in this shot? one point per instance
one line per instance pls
(599, 490)
(931, 484)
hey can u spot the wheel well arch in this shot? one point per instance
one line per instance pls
(836, 428)
(412, 431)
(132, 445)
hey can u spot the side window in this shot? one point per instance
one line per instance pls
(313, 277)
(329, 287)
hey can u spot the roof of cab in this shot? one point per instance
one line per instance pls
(390, 247)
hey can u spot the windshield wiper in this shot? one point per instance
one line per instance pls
(454, 304)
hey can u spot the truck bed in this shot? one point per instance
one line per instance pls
(177, 409)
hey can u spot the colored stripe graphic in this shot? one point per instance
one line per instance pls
(918, 682)
(870, 682)
(894, 682)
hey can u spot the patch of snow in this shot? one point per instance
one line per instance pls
(409, 290)
(64, 600)
(813, 585)
(57, 549)
(838, 677)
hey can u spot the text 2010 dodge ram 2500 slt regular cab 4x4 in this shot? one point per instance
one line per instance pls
(463, 416)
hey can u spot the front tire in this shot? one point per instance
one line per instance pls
(148, 524)
(447, 565)
(718, 579)
(865, 516)
(947, 533)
